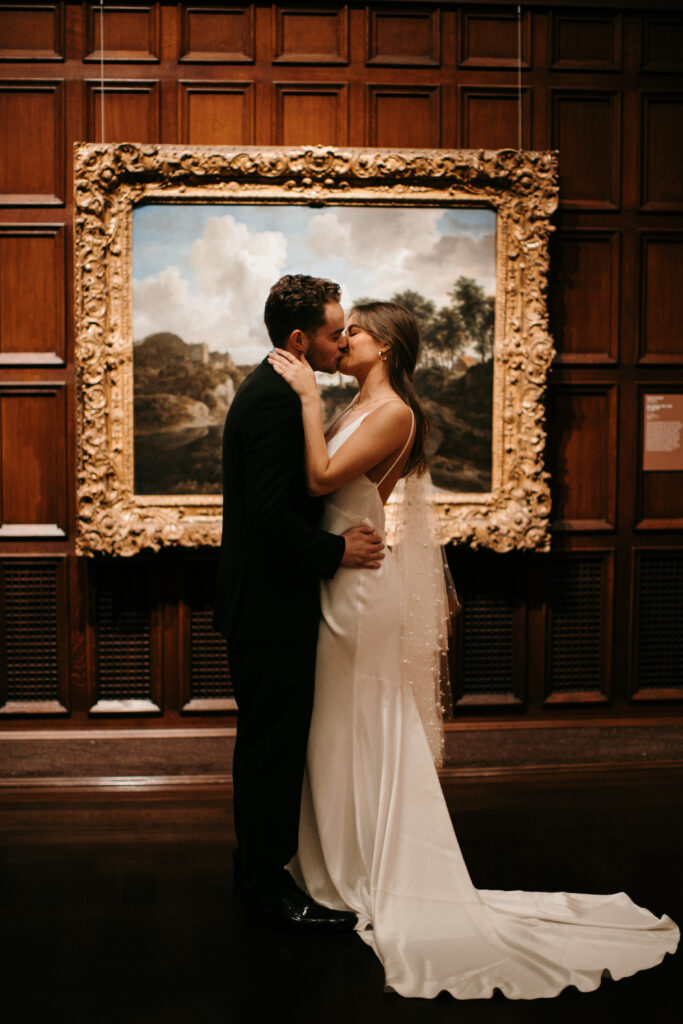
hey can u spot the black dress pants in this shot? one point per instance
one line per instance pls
(273, 686)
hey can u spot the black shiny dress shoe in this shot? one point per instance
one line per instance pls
(294, 910)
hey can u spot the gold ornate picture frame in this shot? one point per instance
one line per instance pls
(111, 181)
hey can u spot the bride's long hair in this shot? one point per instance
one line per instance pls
(393, 325)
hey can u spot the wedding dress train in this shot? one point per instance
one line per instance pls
(376, 837)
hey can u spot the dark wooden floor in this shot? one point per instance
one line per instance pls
(117, 905)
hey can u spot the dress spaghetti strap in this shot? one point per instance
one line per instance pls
(400, 455)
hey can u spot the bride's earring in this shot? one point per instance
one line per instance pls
(382, 353)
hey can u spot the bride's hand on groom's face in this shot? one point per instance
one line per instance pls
(364, 548)
(297, 372)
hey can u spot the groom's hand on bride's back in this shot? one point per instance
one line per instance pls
(364, 548)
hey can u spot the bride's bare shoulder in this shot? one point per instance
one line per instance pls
(394, 410)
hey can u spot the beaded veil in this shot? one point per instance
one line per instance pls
(429, 604)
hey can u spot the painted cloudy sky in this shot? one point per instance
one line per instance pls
(204, 271)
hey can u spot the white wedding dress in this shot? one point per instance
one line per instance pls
(376, 837)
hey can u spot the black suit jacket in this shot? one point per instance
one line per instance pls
(272, 551)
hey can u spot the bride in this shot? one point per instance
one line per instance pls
(375, 834)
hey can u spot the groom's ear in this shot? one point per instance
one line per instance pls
(297, 343)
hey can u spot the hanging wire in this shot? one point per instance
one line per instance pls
(519, 76)
(102, 70)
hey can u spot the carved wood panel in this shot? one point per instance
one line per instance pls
(585, 41)
(131, 110)
(34, 33)
(405, 116)
(304, 112)
(32, 143)
(492, 118)
(489, 40)
(217, 35)
(33, 461)
(661, 297)
(310, 34)
(586, 128)
(661, 42)
(662, 151)
(216, 113)
(404, 38)
(32, 320)
(583, 427)
(584, 296)
(122, 33)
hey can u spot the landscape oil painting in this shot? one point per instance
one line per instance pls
(201, 273)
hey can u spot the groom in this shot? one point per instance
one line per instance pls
(273, 555)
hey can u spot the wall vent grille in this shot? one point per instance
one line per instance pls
(488, 644)
(209, 672)
(577, 625)
(29, 633)
(660, 622)
(123, 636)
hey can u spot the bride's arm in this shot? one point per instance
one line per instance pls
(383, 432)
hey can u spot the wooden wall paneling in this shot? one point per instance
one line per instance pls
(127, 637)
(489, 117)
(583, 456)
(32, 294)
(489, 39)
(404, 116)
(216, 113)
(131, 111)
(661, 42)
(33, 33)
(660, 292)
(34, 636)
(584, 296)
(217, 35)
(32, 143)
(310, 34)
(656, 635)
(490, 632)
(579, 609)
(205, 675)
(33, 467)
(403, 37)
(586, 128)
(310, 113)
(661, 169)
(131, 33)
(659, 503)
(585, 41)
(615, 309)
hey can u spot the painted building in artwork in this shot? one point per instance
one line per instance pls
(198, 353)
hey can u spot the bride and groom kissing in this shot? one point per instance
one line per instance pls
(339, 815)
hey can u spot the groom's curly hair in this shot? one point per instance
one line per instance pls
(297, 302)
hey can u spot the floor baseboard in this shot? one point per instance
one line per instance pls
(127, 757)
